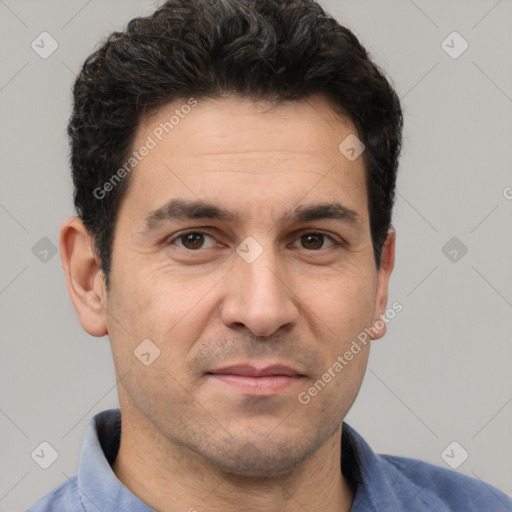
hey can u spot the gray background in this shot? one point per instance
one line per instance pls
(441, 374)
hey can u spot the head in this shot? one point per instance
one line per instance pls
(220, 217)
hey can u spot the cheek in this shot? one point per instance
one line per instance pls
(345, 302)
(156, 297)
(170, 310)
(347, 309)
(346, 383)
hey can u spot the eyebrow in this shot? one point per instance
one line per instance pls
(180, 209)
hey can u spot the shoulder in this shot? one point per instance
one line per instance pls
(391, 483)
(64, 498)
(450, 490)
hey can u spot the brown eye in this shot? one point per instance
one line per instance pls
(314, 241)
(193, 240)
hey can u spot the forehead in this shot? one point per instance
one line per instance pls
(246, 154)
(310, 125)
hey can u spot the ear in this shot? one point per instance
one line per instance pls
(85, 280)
(387, 263)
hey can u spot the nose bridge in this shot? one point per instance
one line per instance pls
(259, 298)
(262, 276)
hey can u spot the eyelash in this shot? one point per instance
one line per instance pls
(335, 242)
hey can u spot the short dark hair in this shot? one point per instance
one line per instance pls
(278, 50)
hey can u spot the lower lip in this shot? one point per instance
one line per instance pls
(267, 385)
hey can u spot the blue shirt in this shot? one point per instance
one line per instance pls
(381, 483)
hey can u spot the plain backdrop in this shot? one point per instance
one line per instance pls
(442, 374)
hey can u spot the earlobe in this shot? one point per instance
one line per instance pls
(84, 277)
(387, 263)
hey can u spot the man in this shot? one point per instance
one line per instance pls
(234, 165)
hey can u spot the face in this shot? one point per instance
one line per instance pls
(249, 301)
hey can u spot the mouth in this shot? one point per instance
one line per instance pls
(262, 381)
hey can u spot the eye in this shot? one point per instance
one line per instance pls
(315, 241)
(193, 240)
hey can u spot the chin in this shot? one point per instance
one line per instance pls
(261, 459)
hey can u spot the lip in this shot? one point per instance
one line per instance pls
(248, 370)
(263, 381)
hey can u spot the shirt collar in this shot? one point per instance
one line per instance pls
(98, 486)
(368, 473)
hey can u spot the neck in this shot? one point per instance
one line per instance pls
(171, 478)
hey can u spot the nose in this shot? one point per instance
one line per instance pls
(259, 297)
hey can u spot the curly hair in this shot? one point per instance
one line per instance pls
(277, 50)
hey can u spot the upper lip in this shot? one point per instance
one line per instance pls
(249, 370)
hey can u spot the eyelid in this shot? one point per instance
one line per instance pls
(336, 240)
(181, 234)
(296, 236)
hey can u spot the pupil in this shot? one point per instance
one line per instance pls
(193, 239)
(313, 237)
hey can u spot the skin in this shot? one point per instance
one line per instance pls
(190, 441)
